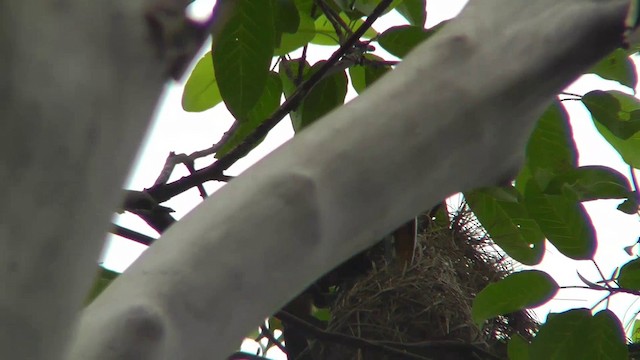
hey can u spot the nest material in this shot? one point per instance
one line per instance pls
(424, 308)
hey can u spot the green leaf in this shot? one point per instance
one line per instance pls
(287, 18)
(399, 40)
(617, 111)
(629, 277)
(267, 104)
(563, 220)
(322, 314)
(518, 348)
(520, 290)
(367, 6)
(551, 144)
(326, 33)
(617, 67)
(290, 42)
(588, 183)
(307, 7)
(328, 94)
(576, 334)
(635, 333)
(616, 116)
(242, 54)
(363, 76)
(201, 90)
(506, 220)
(629, 206)
(523, 177)
(103, 278)
(415, 11)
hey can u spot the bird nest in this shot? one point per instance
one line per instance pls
(422, 310)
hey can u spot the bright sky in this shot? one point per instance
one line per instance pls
(182, 132)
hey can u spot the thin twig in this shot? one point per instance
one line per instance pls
(132, 235)
(269, 335)
(347, 340)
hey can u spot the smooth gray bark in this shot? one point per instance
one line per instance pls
(77, 89)
(80, 86)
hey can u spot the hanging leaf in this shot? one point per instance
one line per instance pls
(415, 11)
(630, 206)
(629, 277)
(103, 278)
(287, 19)
(507, 222)
(617, 111)
(267, 104)
(363, 76)
(326, 33)
(576, 334)
(617, 117)
(399, 40)
(327, 95)
(308, 7)
(367, 6)
(290, 42)
(201, 90)
(242, 52)
(551, 145)
(563, 220)
(520, 290)
(588, 183)
(617, 67)
(550, 150)
(518, 348)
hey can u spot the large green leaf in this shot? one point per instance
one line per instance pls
(506, 220)
(524, 289)
(550, 150)
(326, 33)
(588, 183)
(290, 42)
(328, 94)
(103, 278)
(267, 104)
(617, 111)
(415, 11)
(619, 67)
(563, 220)
(551, 144)
(201, 90)
(399, 40)
(367, 6)
(287, 19)
(363, 76)
(576, 334)
(617, 117)
(518, 348)
(242, 52)
(629, 277)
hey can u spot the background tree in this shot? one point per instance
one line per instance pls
(192, 293)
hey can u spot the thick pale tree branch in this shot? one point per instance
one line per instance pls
(454, 115)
